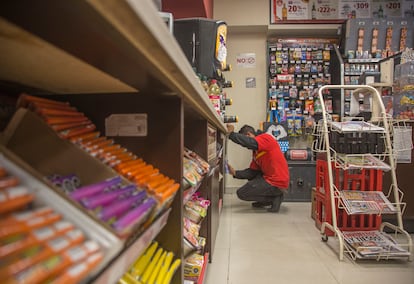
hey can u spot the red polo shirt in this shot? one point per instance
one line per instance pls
(271, 161)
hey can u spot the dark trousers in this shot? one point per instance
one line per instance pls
(257, 189)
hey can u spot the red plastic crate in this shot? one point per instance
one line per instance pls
(364, 179)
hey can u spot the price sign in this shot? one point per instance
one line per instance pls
(393, 8)
(354, 9)
(326, 9)
(297, 10)
(387, 8)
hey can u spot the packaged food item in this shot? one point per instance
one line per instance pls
(8, 181)
(95, 188)
(25, 100)
(18, 262)
(20, 241)
(69, 125)
(79, 271)
(138, 268)
(28, 225)
(106, 198)
(55, 265)
(76, 131)
(171, 270)
(119, 208)
(14, 198)
(135, 216)
(152, 264)
(193, 267)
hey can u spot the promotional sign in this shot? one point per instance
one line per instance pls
(283, 10)
(324, 9)
(351, 9)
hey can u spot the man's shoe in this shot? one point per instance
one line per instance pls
(264, 204)
(276, 204)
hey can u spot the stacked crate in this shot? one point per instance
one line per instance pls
(360, 179)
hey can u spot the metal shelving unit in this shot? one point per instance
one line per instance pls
(383, 160)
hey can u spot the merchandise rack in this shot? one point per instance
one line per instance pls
(379, 124)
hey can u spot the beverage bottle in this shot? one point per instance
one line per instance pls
(380, 12)
(284, 12)
(204, 84)
(313, 13)
(213, 88)
(214, 94)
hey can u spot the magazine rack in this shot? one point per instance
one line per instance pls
(365, 243)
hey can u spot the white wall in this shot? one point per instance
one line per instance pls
(242, 12)
(249, 104)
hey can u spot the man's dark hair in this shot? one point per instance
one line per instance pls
(246, 129)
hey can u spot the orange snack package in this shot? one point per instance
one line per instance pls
(18, 262)
(21, 241)
(28, 225)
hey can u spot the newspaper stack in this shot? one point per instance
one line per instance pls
(373, 244)
(366, 202)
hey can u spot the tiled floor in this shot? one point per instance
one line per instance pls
(257, 247)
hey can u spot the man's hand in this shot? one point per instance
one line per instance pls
(231, 170)
(230, 128)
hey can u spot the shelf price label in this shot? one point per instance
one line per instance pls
(359, 9)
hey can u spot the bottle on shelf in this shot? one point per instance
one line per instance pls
(227, 84)
(227, 68)
(227, 102)
(230, 119)
(214, 88)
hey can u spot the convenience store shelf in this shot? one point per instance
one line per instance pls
(103, 51)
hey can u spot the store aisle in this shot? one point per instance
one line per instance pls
(257, 247)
